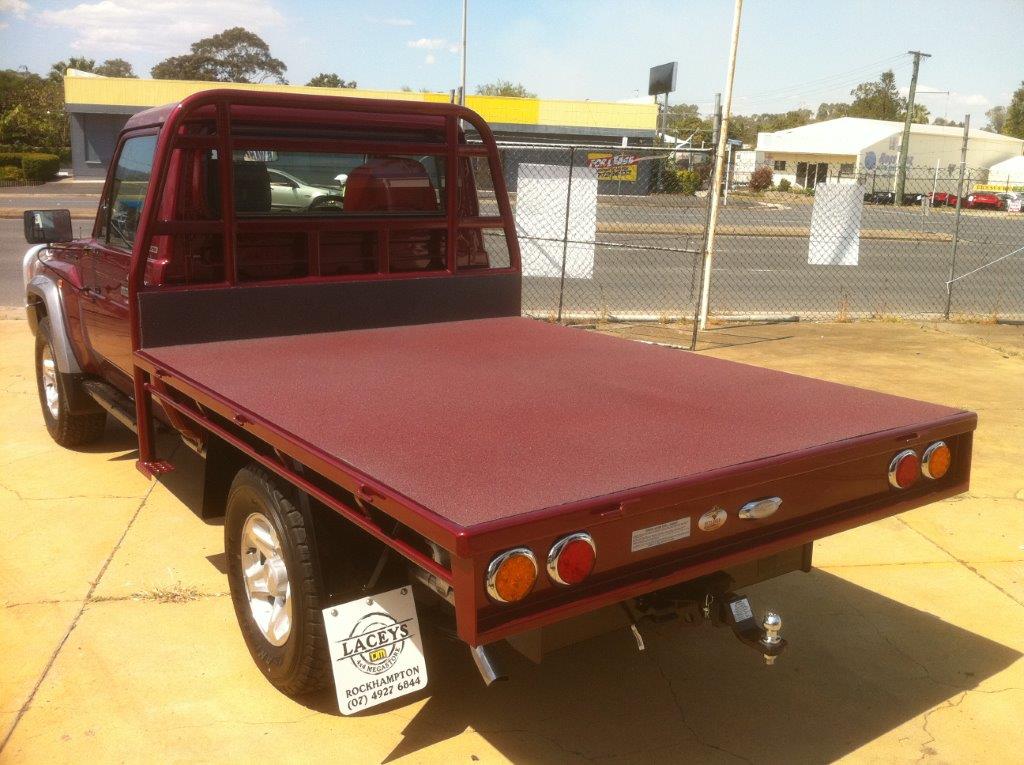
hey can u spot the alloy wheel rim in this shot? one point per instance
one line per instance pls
(265, 574)
(49, 374)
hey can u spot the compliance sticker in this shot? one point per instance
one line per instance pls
(376, 649)
(661, 534)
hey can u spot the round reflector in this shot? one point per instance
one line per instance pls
(904, 469)
(936, 460)
(572, 558)
(511, 575)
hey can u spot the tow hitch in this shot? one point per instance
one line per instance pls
(735, 611)
(719, 606)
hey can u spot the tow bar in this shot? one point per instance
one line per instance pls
(735, 611)
(719, 606)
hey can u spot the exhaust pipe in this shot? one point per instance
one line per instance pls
(489, 669)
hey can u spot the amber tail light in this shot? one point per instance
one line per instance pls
(511, 575)
(936, 460)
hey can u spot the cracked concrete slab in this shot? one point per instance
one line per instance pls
(906, 641)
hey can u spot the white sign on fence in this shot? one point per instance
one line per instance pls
(835, 225)
(541, 192)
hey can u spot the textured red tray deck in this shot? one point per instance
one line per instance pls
(485, 420)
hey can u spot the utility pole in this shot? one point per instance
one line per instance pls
(462, 82)
(901, 171)
(716, 188)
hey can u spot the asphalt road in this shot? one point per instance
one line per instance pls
(752, 274)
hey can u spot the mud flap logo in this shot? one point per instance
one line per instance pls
(376, 642)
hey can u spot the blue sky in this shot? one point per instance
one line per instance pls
(792, 52)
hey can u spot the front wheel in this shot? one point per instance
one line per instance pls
(55, 397)
(275, 588)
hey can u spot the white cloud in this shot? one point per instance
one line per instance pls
(165, 27)
(433, 43)
(427, 43)
(390, 22)
(430, 59)
(4, 25)
(17, 8)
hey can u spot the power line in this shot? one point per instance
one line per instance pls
(859, 71)
(802, 91)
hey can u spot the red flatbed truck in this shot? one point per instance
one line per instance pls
(375, 413)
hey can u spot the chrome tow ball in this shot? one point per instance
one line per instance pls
(735, 611)
(772, 625)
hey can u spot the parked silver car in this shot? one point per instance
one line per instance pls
(289, 193)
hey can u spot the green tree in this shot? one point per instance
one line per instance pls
(878, 100)
(330, 80)
(234, 55)
(881, 100)
(683, 121)
(116, 67)
(1014, 123)
(947, 123)
(504, 88)
(996, 119)
(32, 110)
(112, 67)
(831, 111)
(80, 63)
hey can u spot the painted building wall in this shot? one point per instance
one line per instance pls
(933, 160)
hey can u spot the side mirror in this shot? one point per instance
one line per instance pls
(47, 226)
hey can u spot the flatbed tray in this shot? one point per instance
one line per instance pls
(481, 421)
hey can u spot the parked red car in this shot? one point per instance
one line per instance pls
(940, 198)
(982, 200)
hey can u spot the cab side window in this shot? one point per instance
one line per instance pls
(128, 191)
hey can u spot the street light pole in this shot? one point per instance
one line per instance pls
(716, 187)
(901, 171)
(462, 81)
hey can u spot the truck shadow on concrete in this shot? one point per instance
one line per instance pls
(859, 665)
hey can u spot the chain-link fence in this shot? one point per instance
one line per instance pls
(606, 232)
(619, 233)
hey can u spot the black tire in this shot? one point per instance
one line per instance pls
(301, 664)
(66, 428)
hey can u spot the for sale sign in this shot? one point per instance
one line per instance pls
(613, 167)
(376, 649)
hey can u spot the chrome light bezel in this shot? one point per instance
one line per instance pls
(495, 564)
(895, 464)
(556, 551)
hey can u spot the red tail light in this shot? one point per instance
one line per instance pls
(905, 469)
(572, 558)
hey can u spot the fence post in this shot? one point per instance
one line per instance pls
(565, 233)
(716, 131)
(956, 223)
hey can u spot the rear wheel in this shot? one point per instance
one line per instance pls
(56, 392)
(275, 588)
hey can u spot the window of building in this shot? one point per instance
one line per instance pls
(846, 168)
(779, 165)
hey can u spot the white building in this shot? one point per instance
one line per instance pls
(1007, 175)
(854, 149)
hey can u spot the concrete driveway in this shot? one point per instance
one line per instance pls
(117, 642)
